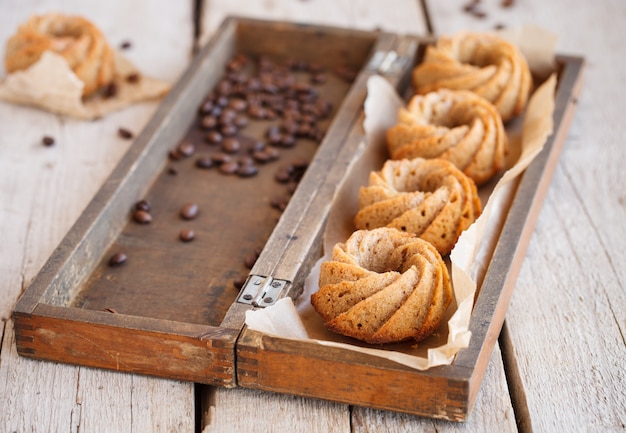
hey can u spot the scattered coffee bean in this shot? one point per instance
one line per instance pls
(231, 145)
(287, 140)
(238, 104)
(133, 78)
(208, 122)
(239, 282)
(204, 162)
(240, 121)
(117, 259)
(214, 137)
(250, 260)
(143, 205)
(172, 171)
(142, 217)
(228, 130)
(125, 133)
(186, 149)
(186, 235)
(126, 45)
(230, 167)
(282, 175)
(110, 90)
(279, 203)
(247, 170)
(189, 211)
(507, 3)
(47, 140)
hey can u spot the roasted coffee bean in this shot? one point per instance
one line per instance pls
(47, 140)
(239, 282)
(240, 121)
(125, 45)
(245, 160)
(117, 259)
(208, 122)
(189, 211)
(231, 145)
(289, 126)
(250, 260)
(256, 112)
(230, 167)
(272, 130)
(319, 78)
(255, 145)
(247, 170)
(214, 137)
(142, 217)
(279, 203)
(206, 107)
(287, 140)
(261, 156)
(222, 101)
(172, 171)
(283, 175)
(507, 3)
(110, 90)
(124, 133)
(143, 205)
(228, 130)
(227, 116)
(304, 130)
(275, 139)
(186, 149)
(186, 235)
(273, 153)
(224, 88)
(220, 158)
(204, 162)
(133, 78)
(174, 155)
(238, 104)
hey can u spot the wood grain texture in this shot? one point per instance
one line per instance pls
(492, 412)
(570, 375)
(42, 192)
(398, 16)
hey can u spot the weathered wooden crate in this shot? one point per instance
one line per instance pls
(172, 310)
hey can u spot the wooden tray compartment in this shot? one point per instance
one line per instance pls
(171, 299)
(448, 392)
(182, 319)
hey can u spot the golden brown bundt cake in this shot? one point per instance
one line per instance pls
(481, 62)
(458, 126)
(80, 42)
(383, 286)
(430, 198)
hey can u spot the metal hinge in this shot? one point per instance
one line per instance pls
(387, 62)
(261, 291)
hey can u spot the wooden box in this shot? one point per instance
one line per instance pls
(172, 311)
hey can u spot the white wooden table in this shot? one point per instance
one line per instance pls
(559, 365)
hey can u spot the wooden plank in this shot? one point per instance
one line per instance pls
(492, 412)
(567, 377)
(397, 16)
(43, 190)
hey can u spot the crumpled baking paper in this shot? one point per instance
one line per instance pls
(51, 85)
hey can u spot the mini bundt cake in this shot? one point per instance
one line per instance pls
(458, 126)
(76, 39)
(383, 286)
(430, 198)
(481, 62)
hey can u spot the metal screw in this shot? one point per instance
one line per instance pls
(268, 300)
(247, 296)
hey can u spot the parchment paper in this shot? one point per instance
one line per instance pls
(51, 85)
(470, 256)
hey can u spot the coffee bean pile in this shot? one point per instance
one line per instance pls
(258, 91)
